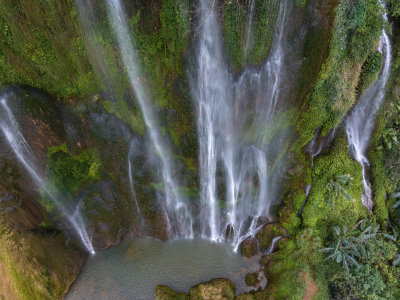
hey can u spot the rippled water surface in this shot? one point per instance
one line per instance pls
(133, 269)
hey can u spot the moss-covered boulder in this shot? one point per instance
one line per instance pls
(268, 233)
(252, 279)
(166, 293)
(261, 295)
(216, 289)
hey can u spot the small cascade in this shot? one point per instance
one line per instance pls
(361, 121)
(23, 152)
(271, 249)
(178, 215)
(316, 146)
(132, 187)
(235, 120)
(300, 212)
(249, 31)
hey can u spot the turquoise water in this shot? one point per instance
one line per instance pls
(133, 269)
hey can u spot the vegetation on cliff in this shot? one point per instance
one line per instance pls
(340, 60)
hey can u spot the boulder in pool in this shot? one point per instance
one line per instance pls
(216, 289)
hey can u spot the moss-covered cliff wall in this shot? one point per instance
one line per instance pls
(84, 126)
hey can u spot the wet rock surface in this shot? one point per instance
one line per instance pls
(249, 247)
(270, 231)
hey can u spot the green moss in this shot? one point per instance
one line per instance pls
(42, 268)
(321, 209)
(166, 293)
(357, 28)
(370, 71)
(394, 7)
(161, 52)
(66, 173)
(31, 55)
(121, 110)
(235, 32)
(301, 3)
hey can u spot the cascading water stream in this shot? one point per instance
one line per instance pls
(249, 32)
(263, 87)
(224, 111)
(271, 248)
(23, 152)
(178, 213)
(131, 185)
(212, 91)
(360, 123)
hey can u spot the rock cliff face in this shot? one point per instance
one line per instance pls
(88, 137)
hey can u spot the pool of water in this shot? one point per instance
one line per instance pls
(133, 269)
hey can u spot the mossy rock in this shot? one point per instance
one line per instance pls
(262, 295)
(166, 293)
(216, 289)
(269, 232)
(252, 279)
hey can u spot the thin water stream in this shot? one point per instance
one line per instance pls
(361, 121)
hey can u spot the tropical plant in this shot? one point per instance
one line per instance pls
(395, 237)
(347, 246)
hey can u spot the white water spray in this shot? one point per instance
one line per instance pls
(23, 152)
(361, 121)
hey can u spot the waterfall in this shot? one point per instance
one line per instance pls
(249, 32)
(25, 156)
(131, 185)
(212, 91)
(361, 121)
(234, 123)
(179, 217)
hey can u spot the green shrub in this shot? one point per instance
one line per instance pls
(66, 173)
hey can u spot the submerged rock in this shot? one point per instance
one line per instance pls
(166, 293)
